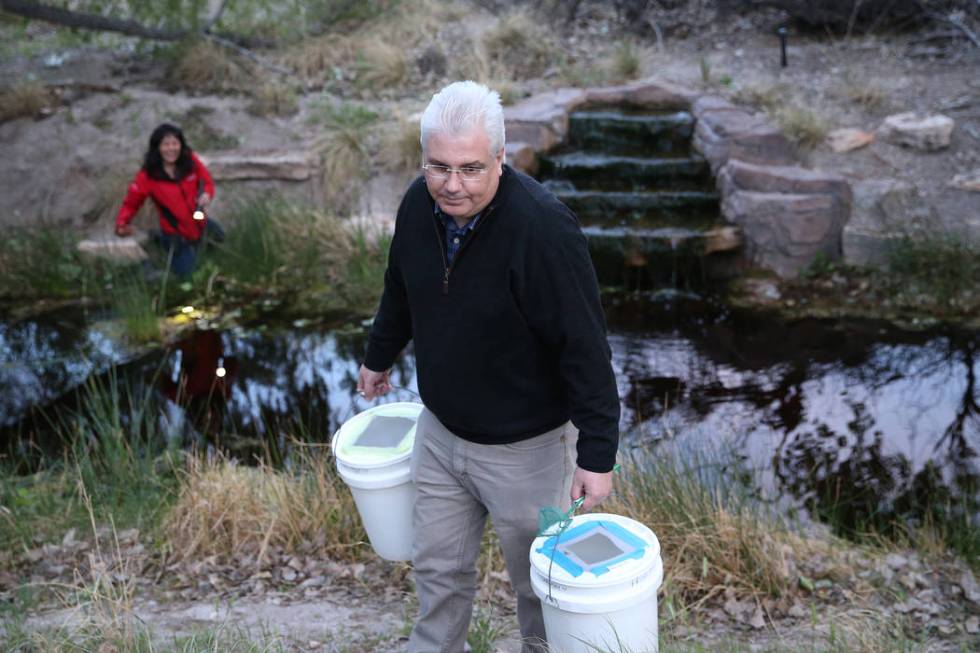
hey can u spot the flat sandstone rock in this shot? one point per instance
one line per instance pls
(910, 129)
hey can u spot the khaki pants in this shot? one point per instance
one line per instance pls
(458, 484)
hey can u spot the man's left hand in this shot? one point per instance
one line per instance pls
(203, 200)
(594, 486)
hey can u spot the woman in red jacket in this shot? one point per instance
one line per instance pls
(182, 188)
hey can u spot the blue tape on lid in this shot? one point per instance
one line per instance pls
(577, 550)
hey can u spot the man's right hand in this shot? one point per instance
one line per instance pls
(371, 384)
(124, 230)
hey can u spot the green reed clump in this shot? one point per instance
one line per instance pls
(305, 251)
(112, 451)
(254, 249)
(138, 305)
(942, 267)
(41, 261)
(711, 532)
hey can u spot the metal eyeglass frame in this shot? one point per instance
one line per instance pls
(463, 172)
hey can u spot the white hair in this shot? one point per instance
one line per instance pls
(460, 107)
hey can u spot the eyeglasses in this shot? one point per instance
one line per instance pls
(466, 173)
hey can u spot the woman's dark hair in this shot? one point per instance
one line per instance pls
(153, 162)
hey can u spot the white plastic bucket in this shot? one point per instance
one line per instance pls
(598, 583)
(373, 451)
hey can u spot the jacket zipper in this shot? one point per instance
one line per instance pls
(447, 268)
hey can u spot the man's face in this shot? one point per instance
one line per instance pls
(454, 195)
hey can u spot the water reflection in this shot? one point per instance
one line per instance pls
(852, 419)
(200, 382)
(41, 360)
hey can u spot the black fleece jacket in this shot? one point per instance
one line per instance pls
(510, 341)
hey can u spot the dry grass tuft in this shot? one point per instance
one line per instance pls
(868, 95)
(803, 126)
(712, 537)
(625, 62)
(25, 101)
(374, 55)
(203, 67)
(401, 146)
(580, 74)
(227, 510)
(382, 64)
(768, 97)
(345, 149)
(318, 60)
(519, 46)
(274, 99)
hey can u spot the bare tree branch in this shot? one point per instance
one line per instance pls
(248, 54)
(83, 20)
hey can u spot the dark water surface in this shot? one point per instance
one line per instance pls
(848, 416)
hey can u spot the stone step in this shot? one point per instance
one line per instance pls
(619, 132)
(638, 258)
(627, 173)
(689, 209)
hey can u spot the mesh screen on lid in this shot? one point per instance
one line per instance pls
(384, 431)
(595, 548)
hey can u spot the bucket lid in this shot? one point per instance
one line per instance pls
(596, 550)
(378, 436)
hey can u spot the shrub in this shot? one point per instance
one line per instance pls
(41, 261)
(381, 64)
(625, 61)
(803, 126)
(25, 101)
(345, 150)
(274, 99)
(863, 16)
(943, 266)
(402, 148)
(769, 97)
(200, 66)
(519, 46)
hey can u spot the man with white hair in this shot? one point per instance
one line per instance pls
(490, 275)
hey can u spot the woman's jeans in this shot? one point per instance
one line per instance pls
(183, 252)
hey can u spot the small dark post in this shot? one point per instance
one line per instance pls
(782, 45)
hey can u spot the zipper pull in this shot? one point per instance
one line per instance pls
(445, 282)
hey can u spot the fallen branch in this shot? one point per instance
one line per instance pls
(96, 22)
(248, 54)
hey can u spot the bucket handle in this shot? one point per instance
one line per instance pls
(360, 395)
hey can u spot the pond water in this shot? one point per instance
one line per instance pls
(853, 416)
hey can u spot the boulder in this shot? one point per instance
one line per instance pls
(847, 140)
(721, 135)
(967, 181)
(521, 156)
(722, 239)
(645, 94)
(707, 103)
(910, 129)
(739, 175)
(785, 232)
(286, 166)
(112, 248)
(542, 120)
(880, 208)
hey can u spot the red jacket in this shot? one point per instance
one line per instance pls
(178, 196)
